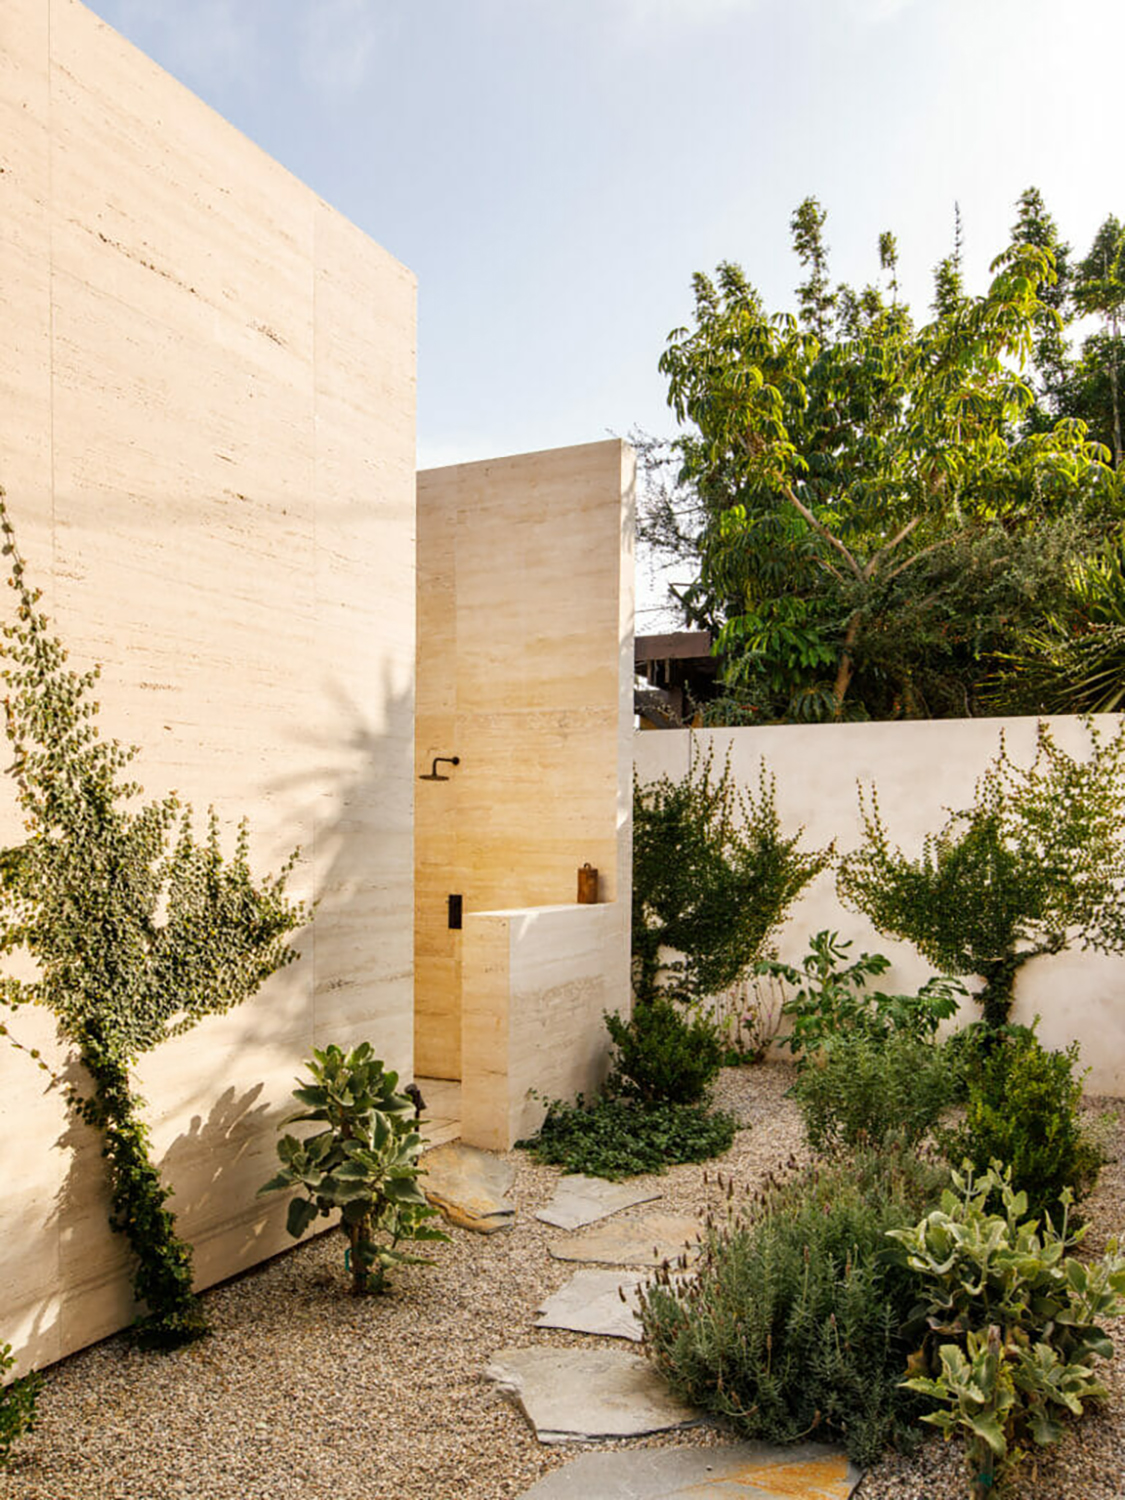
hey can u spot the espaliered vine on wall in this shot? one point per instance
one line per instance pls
(138, 930)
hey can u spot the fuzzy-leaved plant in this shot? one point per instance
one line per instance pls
(1033, 866)
(364, 1164)
(138, 930)
(1012, 1321)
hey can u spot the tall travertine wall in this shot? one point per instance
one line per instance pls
(525, 598)
(921, 770)
(207, 381)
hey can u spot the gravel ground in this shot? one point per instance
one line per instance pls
(304, 1392)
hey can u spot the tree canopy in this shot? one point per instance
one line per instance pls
(875, 507)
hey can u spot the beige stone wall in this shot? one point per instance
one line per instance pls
(207, 379)
(921, 769)
(525, 673)
(537, 982)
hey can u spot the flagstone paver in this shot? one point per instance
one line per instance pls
(745, 1471)
(646, 1240)
(579, 1200)
(579, 1395)
(591, 1302)
(470, 1187)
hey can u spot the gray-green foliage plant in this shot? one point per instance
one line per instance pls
(18, 1400)
(713, 878)
(363, 1164)
(793, 1323)
(1011, 1321)
(137, 929)
(831, 1000)
(1031, 867)
(865, 1090)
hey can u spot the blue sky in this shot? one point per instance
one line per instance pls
(554, 170)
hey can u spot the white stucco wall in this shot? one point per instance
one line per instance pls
(921, 769)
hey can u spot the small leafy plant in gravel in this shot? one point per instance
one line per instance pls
(793, 1324)
(363, 1164)
(1022, 1107)
(831, 999)
(17, 1404)
(663, 1055)
(868, 1091)
(1011, 1322)
(615, 1138)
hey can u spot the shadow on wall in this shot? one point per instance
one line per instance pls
(353, 981)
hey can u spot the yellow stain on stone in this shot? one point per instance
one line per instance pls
(815, 1479)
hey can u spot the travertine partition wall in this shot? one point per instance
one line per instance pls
(525, 668)
(207, 383)
(921, 768)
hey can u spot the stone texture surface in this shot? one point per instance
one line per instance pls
(746, 1471)
(591, 1302)
(207, 379)
(580, 1200)
(525, 590)
(573, 1395)
(470, 1187)
(646, 1240)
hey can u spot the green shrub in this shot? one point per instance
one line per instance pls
(866, 1091)
(1022, 1108)
(832, 999)
(365, 1164)
(620, 1138)
(17, 1404)
(662, 1056)
(1010, 1321)
(792, 1326)
(713, 878)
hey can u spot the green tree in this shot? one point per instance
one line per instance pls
(1099, 289)
(828, 461)
(138, 930)
(1032, 867)
(713, 877)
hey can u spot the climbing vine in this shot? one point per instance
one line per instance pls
(138, 929)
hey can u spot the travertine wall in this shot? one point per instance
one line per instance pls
(537, 982)
(207, 379)
(525, 673)
(921, 769)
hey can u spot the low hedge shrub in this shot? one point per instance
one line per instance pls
(793, 1325)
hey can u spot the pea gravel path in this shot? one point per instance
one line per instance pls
(304, 1392)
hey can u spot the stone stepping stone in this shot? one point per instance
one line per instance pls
(582, 1200)
(580, 1395)
(746, 1471)
(469, 1186)
(647, 1240)
(591, 1302)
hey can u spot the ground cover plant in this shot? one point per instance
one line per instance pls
(1031, 867)
(652, 1111)
(1011, 1321)
(137, 929)
(364, 1164)
(794, 1324)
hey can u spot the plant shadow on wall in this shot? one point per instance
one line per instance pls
(358, 776)
(138, 930)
